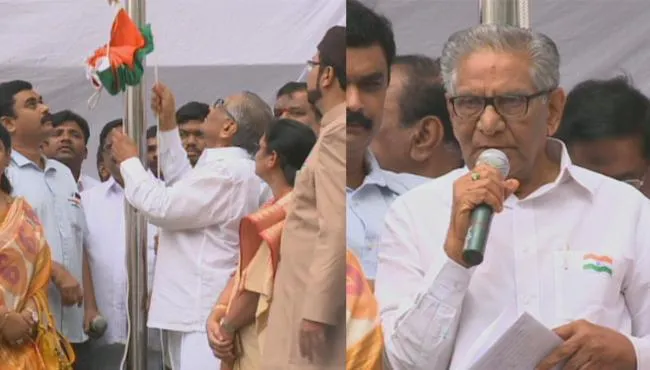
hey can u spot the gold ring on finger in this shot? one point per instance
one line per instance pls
(476, 176)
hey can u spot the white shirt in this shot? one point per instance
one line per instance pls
(104, 208)
(198, 215)
(86, 182)
(433, 310)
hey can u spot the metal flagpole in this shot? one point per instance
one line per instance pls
(504, 12)
(136, 235)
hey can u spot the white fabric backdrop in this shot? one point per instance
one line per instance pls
(205, 49)
(596, 38)
(209, 49)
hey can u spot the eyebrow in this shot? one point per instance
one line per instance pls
(33, 99)
(373, 77)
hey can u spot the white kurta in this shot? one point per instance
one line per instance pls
(537, 256)
(104, 209)
(198, 215)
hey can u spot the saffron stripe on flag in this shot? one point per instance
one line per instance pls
(598, 258)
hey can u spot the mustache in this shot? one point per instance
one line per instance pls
(355, 118)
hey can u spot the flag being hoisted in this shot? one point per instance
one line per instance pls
(120, 63)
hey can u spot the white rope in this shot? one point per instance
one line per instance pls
(155, 74)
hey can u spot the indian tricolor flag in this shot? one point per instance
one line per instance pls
(597, 263)
(120, 63)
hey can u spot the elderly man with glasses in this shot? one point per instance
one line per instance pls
(568, 246)
(198, 211)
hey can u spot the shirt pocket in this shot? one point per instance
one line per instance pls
(587, 285)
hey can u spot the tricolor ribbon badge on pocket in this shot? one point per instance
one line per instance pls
(598, 263)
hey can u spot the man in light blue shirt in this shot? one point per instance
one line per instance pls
(51, 190)
(422, 150)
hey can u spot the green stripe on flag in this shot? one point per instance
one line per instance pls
(597, 268)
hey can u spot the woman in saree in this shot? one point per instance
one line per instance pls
(28, 338)
(237, 323)
(364, 339)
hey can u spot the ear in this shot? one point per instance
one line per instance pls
(273, 159)
(229, 129)
(327, 77)
(85, 153)
(556, 102)
(9, 124)
(427, 135)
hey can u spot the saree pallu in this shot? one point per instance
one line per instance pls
(25, 269)
(364, 339)
(260, 236)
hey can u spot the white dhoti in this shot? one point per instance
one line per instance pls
(190, 351)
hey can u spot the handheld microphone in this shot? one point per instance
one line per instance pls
(98, 327)
(481, 217)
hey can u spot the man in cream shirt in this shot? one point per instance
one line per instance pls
(198, 214)
(552, 221)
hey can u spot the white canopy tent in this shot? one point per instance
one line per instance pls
(204, 49)
(596, 38)
(209, 49)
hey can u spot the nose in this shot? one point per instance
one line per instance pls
(353, 98)
(490, 122)
(284, 114)
(44, 108)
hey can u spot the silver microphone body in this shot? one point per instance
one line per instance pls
(481, 217)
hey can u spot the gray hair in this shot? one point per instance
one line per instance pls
(253, 116)
(543, 53)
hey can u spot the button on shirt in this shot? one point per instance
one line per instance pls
(577, 248)
(366, 207)
(54, 196)
(104, 208)
(198, 215)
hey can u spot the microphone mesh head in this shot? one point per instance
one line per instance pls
(495, 158)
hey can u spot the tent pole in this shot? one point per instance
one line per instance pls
(136, 228)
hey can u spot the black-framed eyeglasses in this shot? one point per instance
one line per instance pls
(507, 106)
(220, 103)
(311, 64)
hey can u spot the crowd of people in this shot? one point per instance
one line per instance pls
(327, 231)
(226, 188)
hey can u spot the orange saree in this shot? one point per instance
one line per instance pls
(364, 340)
(260, 236)
(25, 267)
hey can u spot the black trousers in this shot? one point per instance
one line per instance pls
(91, 356)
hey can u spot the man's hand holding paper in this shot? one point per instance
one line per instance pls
(590, 346)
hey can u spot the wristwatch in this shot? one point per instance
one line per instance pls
(227, 327)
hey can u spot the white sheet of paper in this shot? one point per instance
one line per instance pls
(520, 346)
